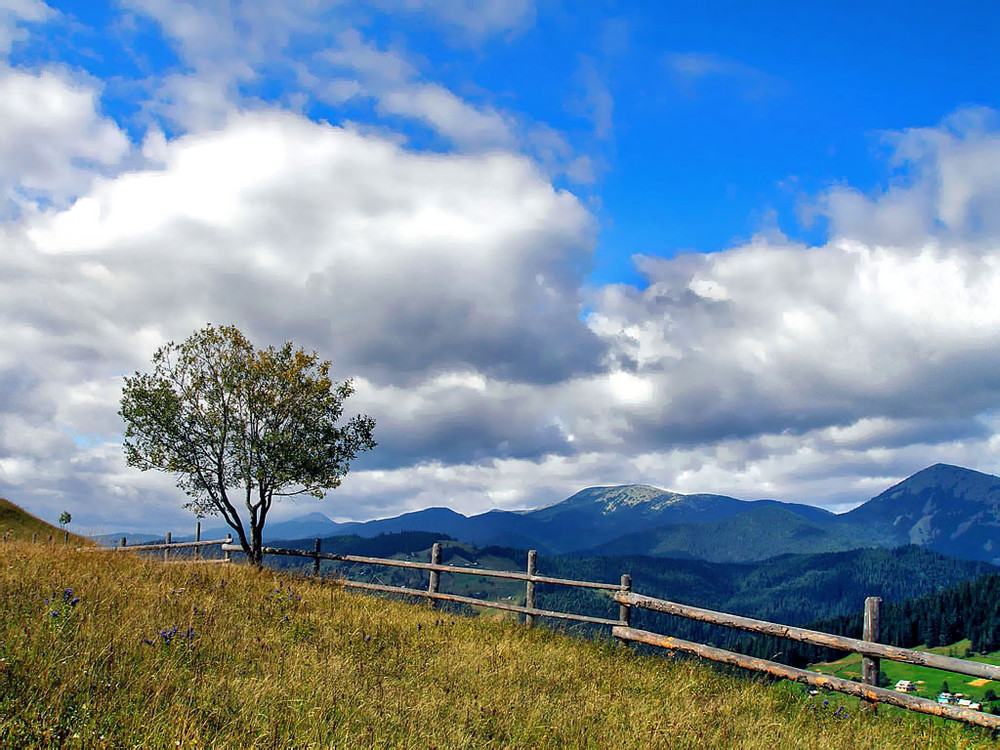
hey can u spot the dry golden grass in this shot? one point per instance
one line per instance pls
(275, 661)
(21, 525)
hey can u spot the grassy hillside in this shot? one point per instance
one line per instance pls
(21, 525)
(99, 650)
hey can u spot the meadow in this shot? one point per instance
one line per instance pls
(102, 650)
(927, 680)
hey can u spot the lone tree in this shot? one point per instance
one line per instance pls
(65, 518)
(240, 426)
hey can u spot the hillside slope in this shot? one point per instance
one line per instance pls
(109, 651)
(21, 524)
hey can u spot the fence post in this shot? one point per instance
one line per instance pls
(316, 559)
(50, 539)
(65, 537)
(529, 587)
(197, 538)
(870, 666)
(229, 540)
(166, 550)
(435, 577)
(34, 538)
(625, 610)
(122, 542)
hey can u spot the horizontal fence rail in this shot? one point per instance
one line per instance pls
(481, 603)
(172, 545)
(867, 647)
(389, 563)
(437, 568)
(814, 637)
(858, 689)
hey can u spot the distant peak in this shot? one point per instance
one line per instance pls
(311, 517)
(956, 480)
(947, 472)
(939, 467)
(615, 497)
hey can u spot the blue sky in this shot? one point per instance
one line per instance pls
(744, 249)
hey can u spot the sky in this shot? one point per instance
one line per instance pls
(742, 249)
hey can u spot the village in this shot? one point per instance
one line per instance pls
(951, 699)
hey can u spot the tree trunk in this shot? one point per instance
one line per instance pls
(256, 542)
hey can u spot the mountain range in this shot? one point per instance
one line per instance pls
(948, 509)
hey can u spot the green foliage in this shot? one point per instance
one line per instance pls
(227, 418)
(966, 609)
(65, 517)
(756, 534)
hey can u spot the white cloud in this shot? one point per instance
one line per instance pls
(379, 68)
(226, 48)
(52, 135)
(453, 118)
(14, 14)
(773, 337)
(442, 281)
(222, 47)
(953, 198)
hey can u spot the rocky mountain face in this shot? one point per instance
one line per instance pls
(949, 509)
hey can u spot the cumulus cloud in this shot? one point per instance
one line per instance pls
(317, 222)
(836, 342)
(53, 137)
(945, 186)
(444, 280)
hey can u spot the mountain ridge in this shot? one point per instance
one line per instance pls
(943, 507)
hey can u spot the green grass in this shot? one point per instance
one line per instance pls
(276, 661)
(927, 680)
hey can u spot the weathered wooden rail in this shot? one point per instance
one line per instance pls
(168, 544)
(868, 647)
(436, 568)
(867, 689)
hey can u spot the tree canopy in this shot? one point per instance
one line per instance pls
(240, 426)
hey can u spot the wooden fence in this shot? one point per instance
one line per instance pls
(868, 647)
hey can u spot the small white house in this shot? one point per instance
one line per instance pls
(905, 686)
